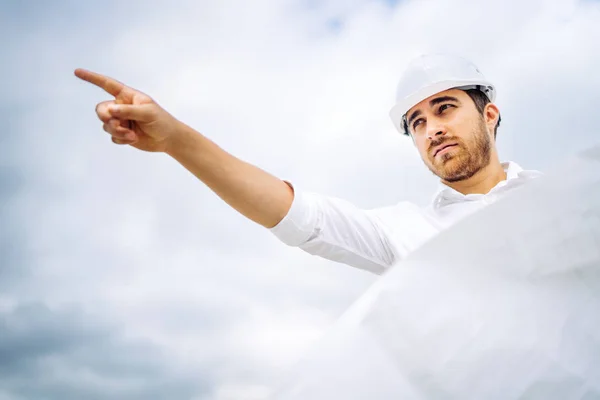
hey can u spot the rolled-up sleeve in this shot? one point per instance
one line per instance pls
(337, 230)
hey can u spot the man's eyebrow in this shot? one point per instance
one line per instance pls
(442, 99)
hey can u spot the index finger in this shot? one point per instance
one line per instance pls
(111, 85)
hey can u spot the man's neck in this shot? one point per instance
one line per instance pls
(483, 181)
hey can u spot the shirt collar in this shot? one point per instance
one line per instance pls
(445, 195)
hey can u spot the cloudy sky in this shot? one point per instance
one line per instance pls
(121, 276)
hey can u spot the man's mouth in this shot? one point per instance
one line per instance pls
(443, 148)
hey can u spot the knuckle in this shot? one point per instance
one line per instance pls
(102, 110)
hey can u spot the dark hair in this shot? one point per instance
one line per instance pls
(480, 100)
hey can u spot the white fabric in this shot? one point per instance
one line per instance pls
(373, 240)
(504, 305)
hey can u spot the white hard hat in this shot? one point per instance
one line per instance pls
(431, 74)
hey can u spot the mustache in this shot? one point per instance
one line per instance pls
(441, 140)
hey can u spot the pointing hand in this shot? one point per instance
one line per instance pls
(132, 117)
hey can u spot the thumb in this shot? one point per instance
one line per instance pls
(134, 112)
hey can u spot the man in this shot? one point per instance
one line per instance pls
(444, 104)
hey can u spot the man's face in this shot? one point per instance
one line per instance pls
(451, 135)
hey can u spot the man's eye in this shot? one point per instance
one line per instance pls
(417, 123)
(443, 107)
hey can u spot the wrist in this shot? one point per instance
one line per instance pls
(180, 139)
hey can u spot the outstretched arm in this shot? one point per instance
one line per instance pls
(135, 119)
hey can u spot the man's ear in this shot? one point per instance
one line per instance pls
(491, 114)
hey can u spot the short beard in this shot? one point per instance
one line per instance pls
(470, 160)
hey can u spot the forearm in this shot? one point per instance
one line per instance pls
(256, 194)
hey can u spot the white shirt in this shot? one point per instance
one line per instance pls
(375, 239)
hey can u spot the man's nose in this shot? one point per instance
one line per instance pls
(435, 128)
